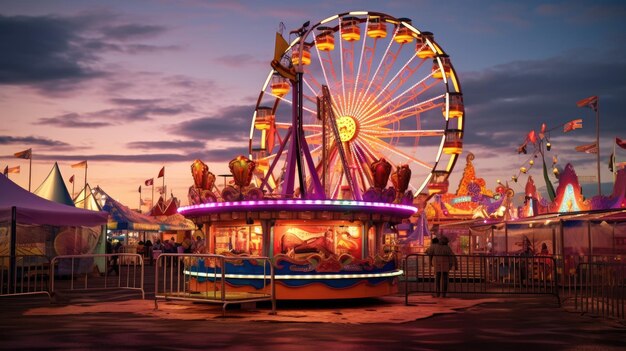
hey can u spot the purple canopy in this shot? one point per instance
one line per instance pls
(32, 209)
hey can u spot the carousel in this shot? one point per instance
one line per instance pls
(359, 121)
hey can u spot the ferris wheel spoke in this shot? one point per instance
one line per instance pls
(410, 94)
(397, 152)
(386, 63)
(388, 133)
(398, 115)
(356, 81)
(371, 81)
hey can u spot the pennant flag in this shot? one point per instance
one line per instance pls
(591, 102)
(139, 190)
(82, 164)
(588, 149)
(72, 179)
(149, 182)
(162, 172)
(26, 154)
(6, 170)
(621, 143)
(15, 169)
(161, 189)
(571, 125)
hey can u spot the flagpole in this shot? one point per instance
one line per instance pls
(614, 170)
(73, 189)
(30, 166)
(140, 199)
(85, 187)
(598, 143)
(152, 203)
(165, 195)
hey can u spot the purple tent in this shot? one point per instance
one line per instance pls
(32, 209)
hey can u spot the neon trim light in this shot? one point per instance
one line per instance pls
(300, 205)
(297, 277)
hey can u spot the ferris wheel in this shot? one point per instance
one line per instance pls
(391, 93)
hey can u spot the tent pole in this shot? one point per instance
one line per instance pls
(12, 260)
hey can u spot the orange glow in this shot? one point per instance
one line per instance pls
(377, 30)
(457, 108)
(280, 86)
(325, 41)
(424, 51)
(453, 145)
(404, 36)
(350, 30)
(306, 56)
(437, 72)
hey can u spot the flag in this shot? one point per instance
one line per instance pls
(588, 149)
(82, 164)
(139, 190)
(571, 125)
(26, 154)
(162, 172)
(591, 102)
(72, 179)
(15, 169)
(161, 189)
(621, 143)
(149, 182)
(611, 162)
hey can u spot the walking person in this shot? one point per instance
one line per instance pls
(443, 260)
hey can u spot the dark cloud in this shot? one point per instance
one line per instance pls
(505, 102)
(215, 155)
(49, 51)
(40, 49)
(134, 110)
(167, 145)
(30, 140)
(132, 31)
(228, 124)
(73, 120)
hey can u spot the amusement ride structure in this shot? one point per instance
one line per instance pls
(360, 115)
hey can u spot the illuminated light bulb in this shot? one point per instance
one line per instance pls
(532, 162)
(548, 146)
(514, 178)
(556, 172)
(523, 169)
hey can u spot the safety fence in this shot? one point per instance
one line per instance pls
(26, 275)
(596, 284)
(474, 274)
(214, 279)
(118, 271)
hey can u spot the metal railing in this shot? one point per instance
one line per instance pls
(214, 279)
(595, 284)
(122, 271)
(30, 275)
(478, 274)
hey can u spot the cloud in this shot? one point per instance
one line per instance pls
(30, 140)
(41, 49)
(132, 31)
(228, 124)
(55, 53)
(168, 145)
(133, 110)
(240, 60)
(505, 102)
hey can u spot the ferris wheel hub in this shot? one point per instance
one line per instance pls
(348, 128)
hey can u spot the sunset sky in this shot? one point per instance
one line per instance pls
(132, 86)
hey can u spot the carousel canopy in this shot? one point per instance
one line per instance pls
(53, 188)
(32, 209)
